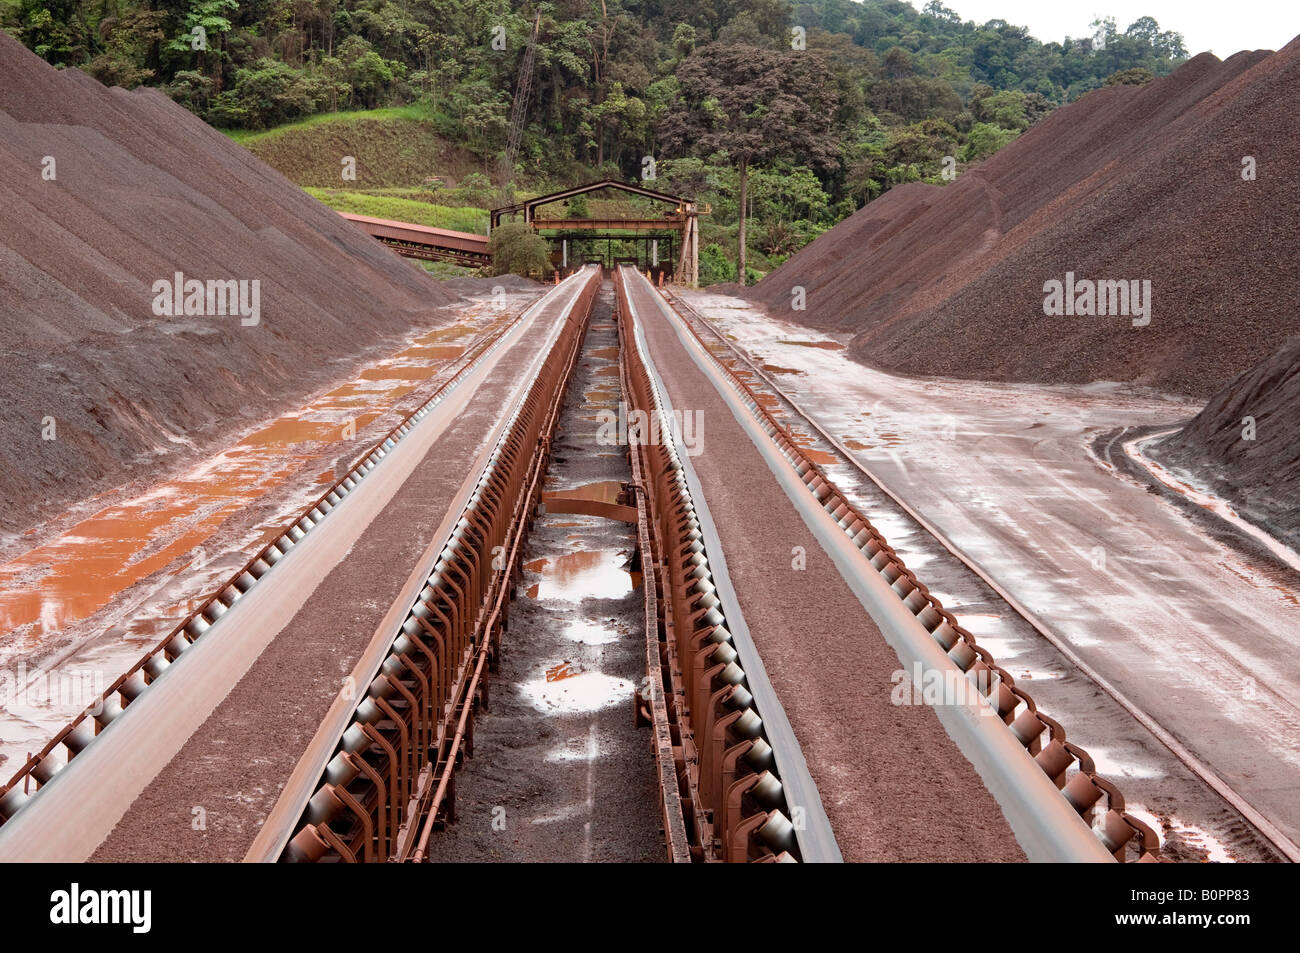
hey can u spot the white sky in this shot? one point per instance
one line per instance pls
(1223, 27)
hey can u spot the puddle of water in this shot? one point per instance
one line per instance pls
(557, 673)
(436, 352)
(81, 571)
(74, 575)
(1112, 766)
(1216, 851)
(882, 439)
(289, 431)
(819, 457)
(823, 345)
(599, 574)
(1004, 651)
(979, 625)
(399, 372)
(916, 561)
(896, 529)
(590, 633)
(605, 491)
(451, 332)
(579, 693)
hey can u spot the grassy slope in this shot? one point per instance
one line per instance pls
(397, 152)
(414, 112)
(393, 148)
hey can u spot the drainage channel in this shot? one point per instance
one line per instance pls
(560, 770)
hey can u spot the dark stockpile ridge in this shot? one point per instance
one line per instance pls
(141, 189)
(1245, 443)
(1129, 183)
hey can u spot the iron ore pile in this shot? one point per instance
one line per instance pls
(1181, 195)
(104, 194)
(1130, 183)
(1245, 443)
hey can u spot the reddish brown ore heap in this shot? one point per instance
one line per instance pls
(1127, 183)
(1260, 475)
(144, 189)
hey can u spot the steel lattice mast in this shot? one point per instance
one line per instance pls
(523, 87)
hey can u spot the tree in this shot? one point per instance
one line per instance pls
(127, 40)
(922, 143)
(206, 23)
(605, 74)
(48, 29)
(1137, 76)
(684, 40)
(937, 10)
(518, 250)
(623, 116)
(1006, 108)
(714, 267)
(753, 105)
(1164, 44)
(1145, 29)
(898, 63)
(984, 140)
